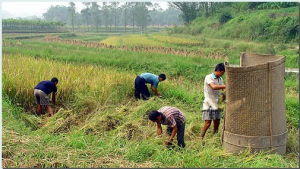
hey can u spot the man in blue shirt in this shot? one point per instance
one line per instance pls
(140, 84)
(41, 92)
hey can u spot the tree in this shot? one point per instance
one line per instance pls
(125, 8)
(72, 14)
(133, 5)
(142, 15)
(95, 13)
(57, 13)
(114, 8)
(106, 14)
(189, 10)
(86, 13)
(156, 15)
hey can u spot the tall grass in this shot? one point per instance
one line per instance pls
(75, 82)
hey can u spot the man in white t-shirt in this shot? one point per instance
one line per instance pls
(212, 84)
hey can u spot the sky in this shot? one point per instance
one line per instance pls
(26, 9)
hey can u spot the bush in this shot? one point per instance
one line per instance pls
(197, 29)
(276, 5)
(225, 17)
(175, 30)
(284, 29)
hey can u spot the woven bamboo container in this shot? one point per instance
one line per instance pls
(255, 115)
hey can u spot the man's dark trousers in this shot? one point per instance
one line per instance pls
(141, 88)
(180, 134)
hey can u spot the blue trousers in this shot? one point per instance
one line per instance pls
(140, 87)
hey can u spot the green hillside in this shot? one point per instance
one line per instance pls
(272, 25)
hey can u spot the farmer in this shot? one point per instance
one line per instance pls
(41, 92)
(212, 84)
(141, 88)
(175, 120)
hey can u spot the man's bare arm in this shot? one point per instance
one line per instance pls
(216, 87)
(174, 131)
(155, 91)
(159, 129)
(53, 98)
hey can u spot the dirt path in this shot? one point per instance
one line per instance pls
(291, 70)
(287, 70)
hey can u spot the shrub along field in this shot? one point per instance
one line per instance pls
(98, 123)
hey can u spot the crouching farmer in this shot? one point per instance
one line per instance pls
(41, 92)
(175, 120)
(140, 86)
(212, 84)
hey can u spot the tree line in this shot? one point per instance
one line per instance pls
(135, 16)
(114, 16)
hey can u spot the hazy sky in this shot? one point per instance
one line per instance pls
(25, 9)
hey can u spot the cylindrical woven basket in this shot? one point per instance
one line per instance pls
(255, 115)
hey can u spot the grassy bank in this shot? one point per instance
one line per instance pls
(268, 25)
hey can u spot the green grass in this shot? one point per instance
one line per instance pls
(114, 148)
(97, 121)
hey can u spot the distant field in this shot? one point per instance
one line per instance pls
(97, 121)
(202, 46)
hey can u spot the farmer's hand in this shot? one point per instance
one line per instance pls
(159, 131)
(168, 143)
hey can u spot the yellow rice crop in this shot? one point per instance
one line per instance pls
(140, 40)
(86, 83)
(176, 40)
(112, 40)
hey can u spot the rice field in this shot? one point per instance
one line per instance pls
(113, 40)
(177, 40)
(131, 40)
(97, 122)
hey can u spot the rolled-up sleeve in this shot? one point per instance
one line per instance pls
(208, 79)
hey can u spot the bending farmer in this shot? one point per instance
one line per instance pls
(140, 86)
(212, 84)
(175, 120)
(41, 92)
